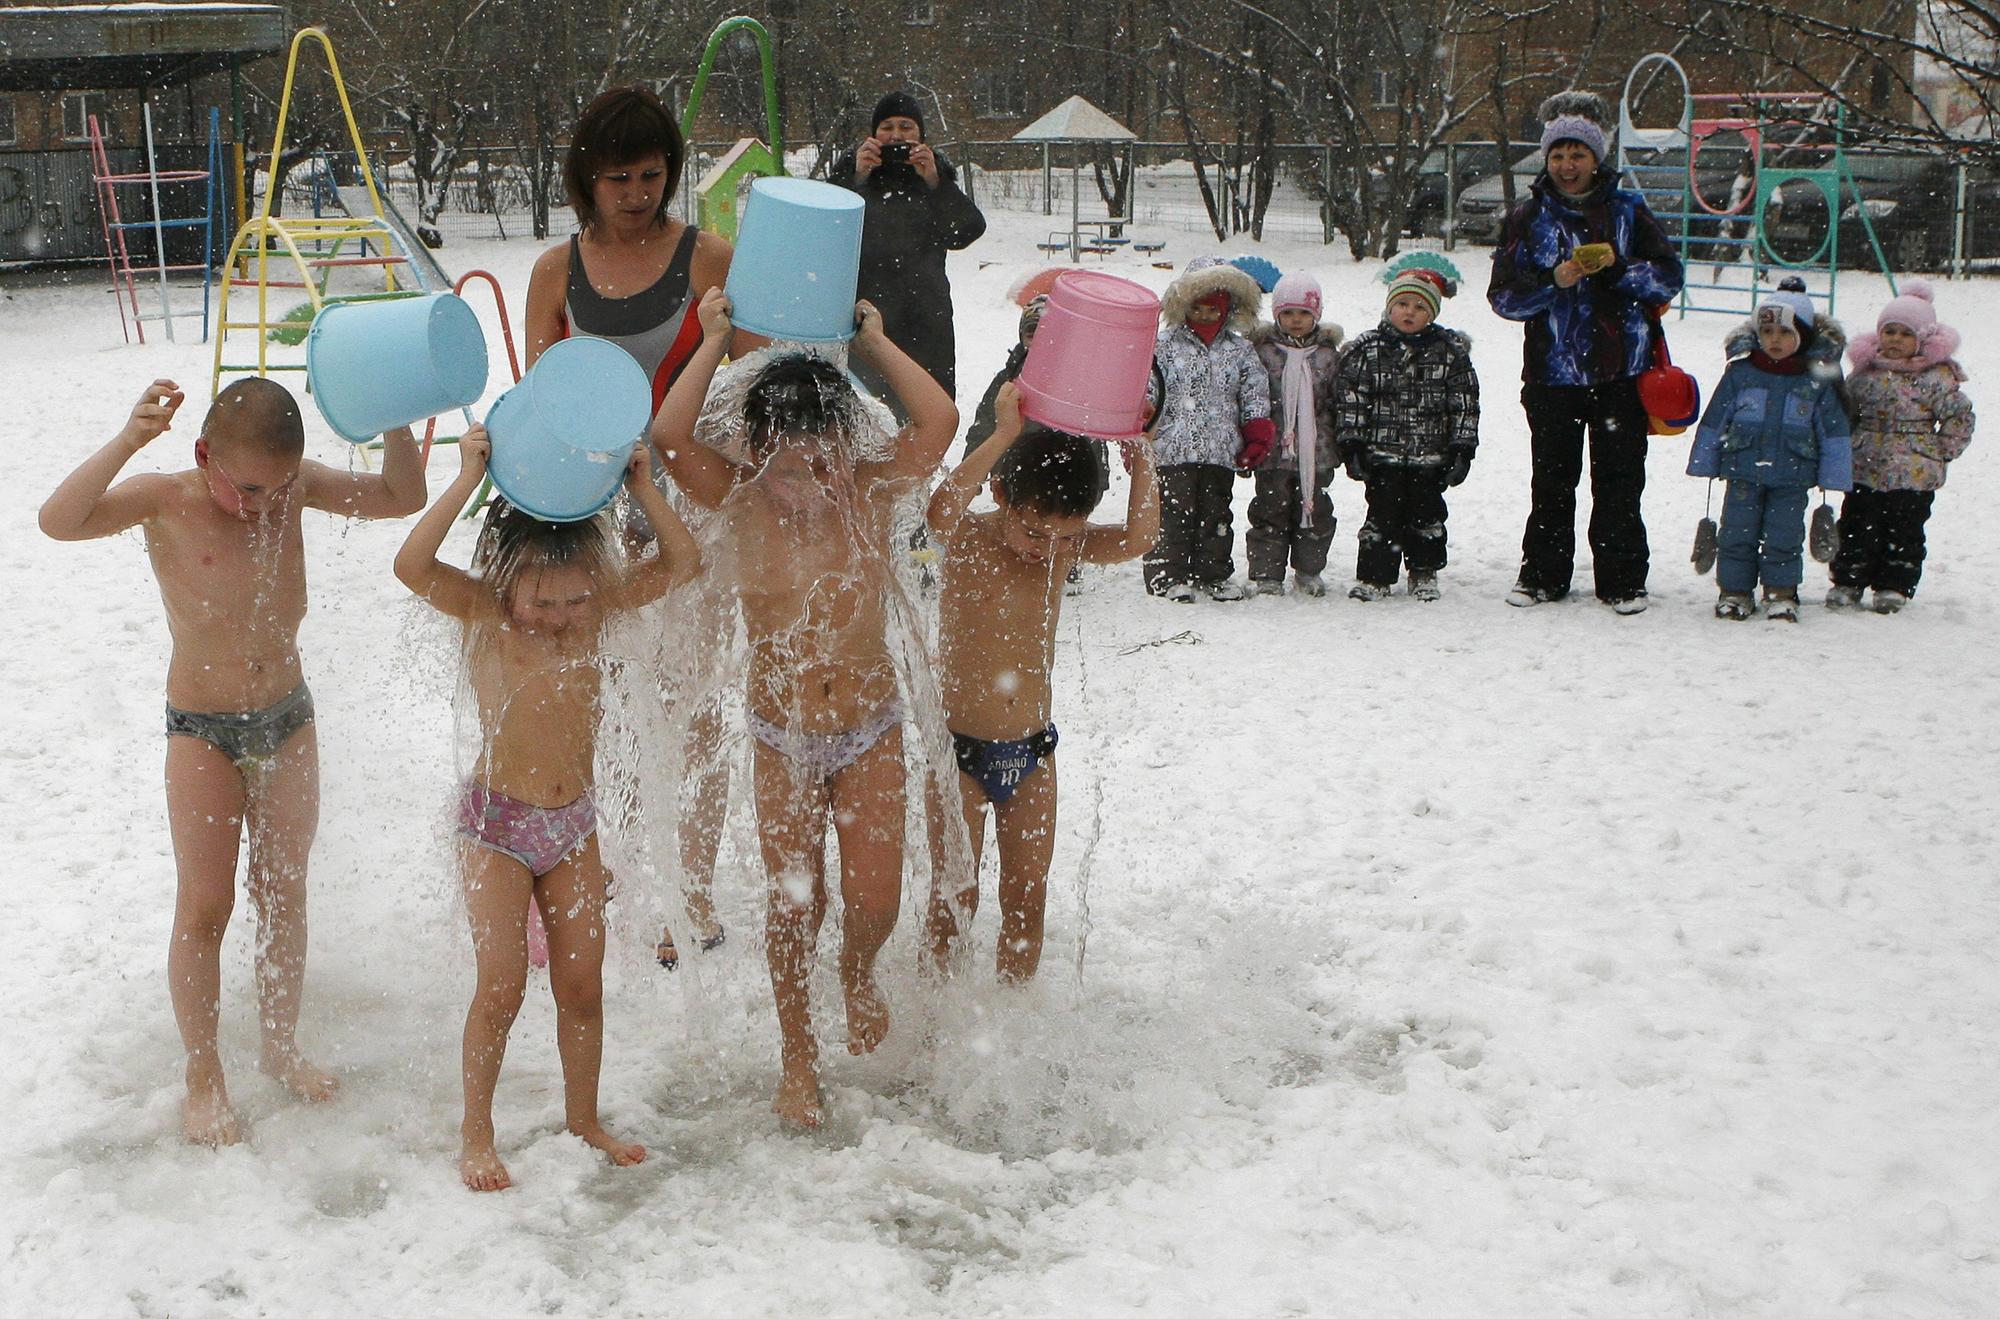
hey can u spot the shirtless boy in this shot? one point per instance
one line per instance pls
(811, 567)
(1001, 598)
(229, 553)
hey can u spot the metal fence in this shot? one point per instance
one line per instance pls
(491, 194)
(1165, 193)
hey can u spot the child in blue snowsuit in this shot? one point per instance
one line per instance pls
(1775, 428)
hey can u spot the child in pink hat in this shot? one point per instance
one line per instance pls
(1291, 515)
(1910, 420)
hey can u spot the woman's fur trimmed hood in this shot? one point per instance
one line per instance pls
(1935, 348)
(1206, 275)
(1326, 336)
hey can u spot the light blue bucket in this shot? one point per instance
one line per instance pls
(798, 258)
(562, 436)
(374, 366)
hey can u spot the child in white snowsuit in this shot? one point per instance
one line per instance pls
(1213, 420)
(1291, 515)
(1910, 419)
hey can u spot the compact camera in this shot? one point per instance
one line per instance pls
(895, 153)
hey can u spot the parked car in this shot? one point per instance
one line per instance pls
(1482, 207)
(1473, 162)
(1911, 202)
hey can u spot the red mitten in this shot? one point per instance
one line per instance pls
(1258, 437)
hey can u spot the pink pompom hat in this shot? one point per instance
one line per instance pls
(1297, 291)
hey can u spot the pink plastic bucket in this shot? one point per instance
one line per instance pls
(1092, 357)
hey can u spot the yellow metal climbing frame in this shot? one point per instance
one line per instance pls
(312, 246)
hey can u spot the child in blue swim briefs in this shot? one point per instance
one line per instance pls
(999, 602)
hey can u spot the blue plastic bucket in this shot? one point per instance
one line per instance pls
(374, 366)
(798, 257)
(562, 436)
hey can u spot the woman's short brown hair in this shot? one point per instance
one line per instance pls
(619, 127)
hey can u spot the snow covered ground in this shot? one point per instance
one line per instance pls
(1442, 960)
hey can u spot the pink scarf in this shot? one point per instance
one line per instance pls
(1300, 427)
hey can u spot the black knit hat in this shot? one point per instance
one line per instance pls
(898, 103)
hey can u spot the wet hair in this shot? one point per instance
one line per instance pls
(512, 542)
(798, 394)
(621, 126)
(1050, 472)
(257, 411)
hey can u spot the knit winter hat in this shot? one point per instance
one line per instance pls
(1911, 309)
(1297, 291)
(1790, 308)
(1426, 274)
(897, 103)
(1580, 117)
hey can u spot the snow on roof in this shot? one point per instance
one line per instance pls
(1076, 120)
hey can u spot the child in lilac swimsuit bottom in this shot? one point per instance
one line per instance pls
(539, 837)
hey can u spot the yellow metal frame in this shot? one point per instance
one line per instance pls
(324, 235)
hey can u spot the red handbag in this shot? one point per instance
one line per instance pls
(1671, 397)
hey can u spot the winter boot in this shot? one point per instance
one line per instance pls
(1424, 586)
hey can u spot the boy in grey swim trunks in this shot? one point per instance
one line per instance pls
(227, 547)
(998, 607)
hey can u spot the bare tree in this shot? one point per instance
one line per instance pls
(1912, 73)
(1380, 84)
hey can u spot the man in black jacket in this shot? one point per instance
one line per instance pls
(916, 213)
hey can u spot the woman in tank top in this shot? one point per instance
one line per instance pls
(632, 273)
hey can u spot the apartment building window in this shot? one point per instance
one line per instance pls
(920, 13)
(77, 107)
(6, 121)
(1000, 95)
(1382, 88)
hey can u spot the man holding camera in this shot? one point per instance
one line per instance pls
(916, 214)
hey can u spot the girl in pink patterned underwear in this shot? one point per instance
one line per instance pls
(533, 609)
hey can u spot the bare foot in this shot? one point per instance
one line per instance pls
(622, 1153)
(798, 1103)
(479, 1166)
(206, 1117)
(305, 1082)
(867, 1015)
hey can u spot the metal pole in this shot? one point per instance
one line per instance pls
(1451, 193)
(1326, 204)
(1048, 201)
(159, 229)
(1075, 196)
(1958, 227)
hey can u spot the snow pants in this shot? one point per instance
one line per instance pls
(1882, 539)
(1762, 538)
(1197, 544)
(1275, 536)
(1405, 523)
(1558, 417)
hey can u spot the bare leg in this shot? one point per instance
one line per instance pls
(704, 806)
(702, 818)
(572, 902)
(1025, 831)
(205, 814)
(283, 817)
(497, 892)
(868, 816)
(791, 820)
(954, 899)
